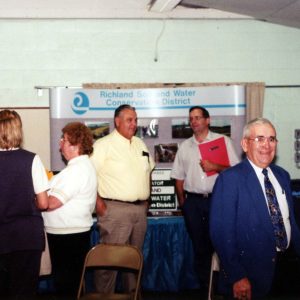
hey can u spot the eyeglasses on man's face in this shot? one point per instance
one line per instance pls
(262, 139)
(196, 118)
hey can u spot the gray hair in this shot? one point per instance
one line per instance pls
(257, 121)
(121, 108)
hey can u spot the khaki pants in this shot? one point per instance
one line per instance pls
(122, 223)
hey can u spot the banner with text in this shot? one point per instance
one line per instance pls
(163, 195)
(149, 102)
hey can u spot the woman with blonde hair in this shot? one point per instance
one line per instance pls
(23, 194)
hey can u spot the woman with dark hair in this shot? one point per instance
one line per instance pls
(23, 193)
(72, 199)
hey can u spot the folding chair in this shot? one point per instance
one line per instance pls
(112, 257)
(213, 269)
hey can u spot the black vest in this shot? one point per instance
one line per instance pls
(21, 224)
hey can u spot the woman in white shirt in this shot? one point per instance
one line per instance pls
(72, 199)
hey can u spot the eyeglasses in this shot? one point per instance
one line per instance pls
(197, 118)
(63, 140)
(262, 139)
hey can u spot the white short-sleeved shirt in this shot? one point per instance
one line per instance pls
(76, 187)
(39, 176)
(186, 165)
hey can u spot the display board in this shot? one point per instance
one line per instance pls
(162, 119)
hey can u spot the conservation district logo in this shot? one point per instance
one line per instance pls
(81, 103)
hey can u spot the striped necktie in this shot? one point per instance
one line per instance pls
(275, 213)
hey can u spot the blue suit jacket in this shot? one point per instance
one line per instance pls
(241, 229)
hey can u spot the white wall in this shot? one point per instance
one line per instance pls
(72, 52)
(282, 106)
(36, 132)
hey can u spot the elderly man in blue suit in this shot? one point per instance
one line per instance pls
(252, 221)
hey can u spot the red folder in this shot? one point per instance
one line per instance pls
(216, 152)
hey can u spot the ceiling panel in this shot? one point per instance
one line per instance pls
(284, 12)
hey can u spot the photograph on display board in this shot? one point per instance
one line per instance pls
(222, 126)
(147, 128)
(181, 129)
(165, 153)
(99, 129)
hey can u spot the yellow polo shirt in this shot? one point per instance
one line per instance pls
(123, 167)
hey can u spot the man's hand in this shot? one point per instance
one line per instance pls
(242, 289)
(208, 166)
(100, 206)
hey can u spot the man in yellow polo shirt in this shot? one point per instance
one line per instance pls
(124, 165)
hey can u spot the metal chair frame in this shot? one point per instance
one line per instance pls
(116, 257)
